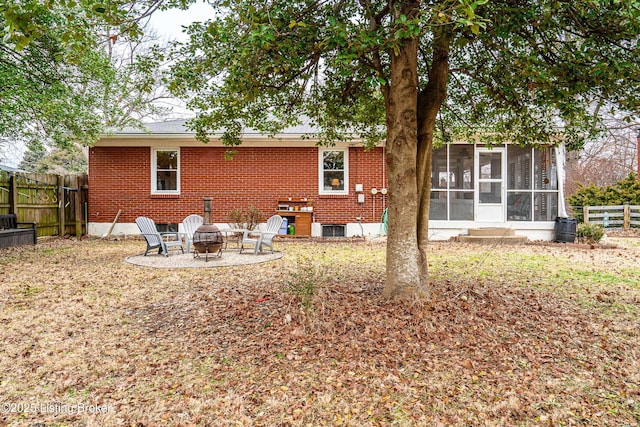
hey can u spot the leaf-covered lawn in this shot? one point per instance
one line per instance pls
(537, 335)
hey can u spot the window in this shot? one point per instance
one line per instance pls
(333, 230)
(165, 170)
(531, 182)
(334, 172)
(452, 183)
(532, 192)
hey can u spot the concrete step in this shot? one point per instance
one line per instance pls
(492, 231)
(491, 240)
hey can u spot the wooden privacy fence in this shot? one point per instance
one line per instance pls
(56, 203)
(623, 216)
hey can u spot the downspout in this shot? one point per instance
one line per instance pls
(384, 179)
(560, 152)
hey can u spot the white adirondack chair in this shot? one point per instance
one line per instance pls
(190, 224)
(155, 239)
(264, 238)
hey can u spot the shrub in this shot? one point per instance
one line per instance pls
(589, 233)
(625, 191)
(247, 220)
(304, 281)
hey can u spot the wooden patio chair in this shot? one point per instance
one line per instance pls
(264, 238)
(190, 224)
(155, 239)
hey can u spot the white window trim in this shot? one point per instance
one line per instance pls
(154, 169)
(321, 189)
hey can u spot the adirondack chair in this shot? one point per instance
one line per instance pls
(155, 239)
(190, 224)
(264, 238)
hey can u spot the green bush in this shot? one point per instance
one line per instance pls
(625, 191)
(589, 233)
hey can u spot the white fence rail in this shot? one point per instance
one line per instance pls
(623, 216)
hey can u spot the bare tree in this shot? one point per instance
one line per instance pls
(605, 161)
(138, 92)
(10, 151)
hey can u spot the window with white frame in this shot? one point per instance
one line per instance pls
(334, 171)
(165, 170)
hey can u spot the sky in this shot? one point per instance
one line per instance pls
(169, 23)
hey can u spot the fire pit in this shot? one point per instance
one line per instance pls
(207, 239)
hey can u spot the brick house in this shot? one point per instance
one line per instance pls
(325, 191)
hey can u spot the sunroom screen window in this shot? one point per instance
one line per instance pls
(532, 192)
(333, 170)
(545, 200)
(166, 170)
(452, 183)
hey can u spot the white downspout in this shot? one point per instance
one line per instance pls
(560, 152)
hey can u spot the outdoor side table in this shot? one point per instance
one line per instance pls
(236, 233)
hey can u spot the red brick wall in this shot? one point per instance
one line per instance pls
(119, 178)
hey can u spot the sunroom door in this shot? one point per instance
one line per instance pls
(490, 191)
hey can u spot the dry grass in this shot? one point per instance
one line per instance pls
(540, 335)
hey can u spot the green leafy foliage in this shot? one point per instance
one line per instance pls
(78, 20)
(625, 191)
(59, 161)
(529, 72)
(48, 86)
(589, 233)
(419, 73)
(34, 154)
(59, 83)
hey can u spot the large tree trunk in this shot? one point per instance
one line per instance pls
(429, 102)
(411, 118)
(403, 256)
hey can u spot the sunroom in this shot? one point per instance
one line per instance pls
(474, 186)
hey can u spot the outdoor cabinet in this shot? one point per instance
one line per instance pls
(299, 213)
(301, 221)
